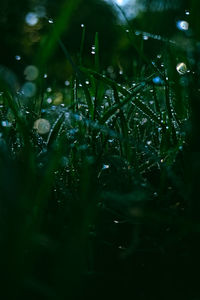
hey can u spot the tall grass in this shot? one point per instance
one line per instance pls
(107, 197)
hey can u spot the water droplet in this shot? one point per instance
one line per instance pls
(49, 89)
(127, 30)
(31, 72)
(145, 37)
(87, 82)
(82, 25)
(5, 123)
(67, 83)
(42, 126)
(181, 68)
(143, 121)
(187, 12)
(29, 89)
(93, 52)
(105, 167)
(182, 25)
(111, 141)
(31, 19)
(45, 75)
(116, 222)
(18, 57)
(50, 21)
(49, 100)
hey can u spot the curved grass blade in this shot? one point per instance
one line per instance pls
(55, 130)
(128, 97)
(80, 76)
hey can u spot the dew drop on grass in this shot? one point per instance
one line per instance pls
(49, 100)
(31, 19)
(82, 25)
(45, 76)
(182, 25)
(111, 141)
(5, 123)
(49, 90)
(116, 222)
(67, 83)
(31, 73)
(42, 126)
(50, 21)
(187, 12)
(181, 68)
(18, 57)
(105, 167)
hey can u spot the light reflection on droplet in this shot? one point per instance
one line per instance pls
(157, 80)
(31, 19)
(67, 83)
(182, 25)
(5, 123)
(49, 90)
(145, 37)
(50, 21)
(18, 57)
(42, 126)
(49, 100)
(181, 68)
(105, 167)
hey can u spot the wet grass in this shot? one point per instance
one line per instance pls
(105, 202)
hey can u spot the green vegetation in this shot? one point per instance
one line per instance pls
(99, 178)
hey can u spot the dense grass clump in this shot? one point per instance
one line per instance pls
(99, 179)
